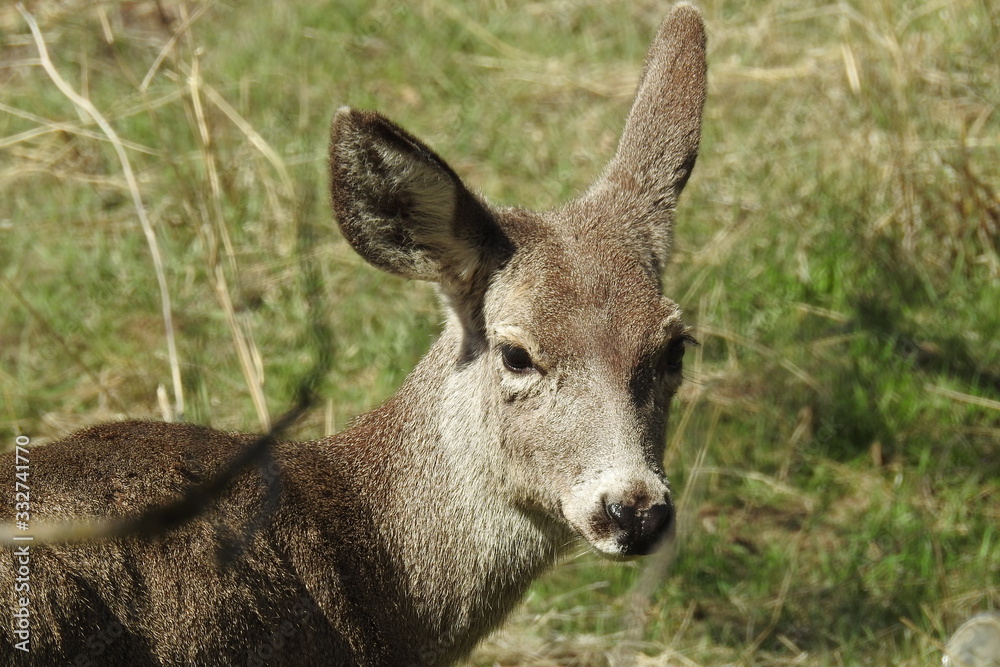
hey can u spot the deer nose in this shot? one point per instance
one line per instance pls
(642, 529)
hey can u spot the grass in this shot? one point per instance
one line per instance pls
(837, 444)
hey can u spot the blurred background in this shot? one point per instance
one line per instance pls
(836, 447)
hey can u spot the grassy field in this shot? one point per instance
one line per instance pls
(836, 448)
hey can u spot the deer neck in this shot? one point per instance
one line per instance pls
(463, 547)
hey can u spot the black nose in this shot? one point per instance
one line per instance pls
(641, 528)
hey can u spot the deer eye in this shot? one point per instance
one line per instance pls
(515, 358)
(672, 360)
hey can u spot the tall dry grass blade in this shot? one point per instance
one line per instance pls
(255, 138)
(245, 347)
(46, 126)
(84, 105)
(172, 42)
(962, 397)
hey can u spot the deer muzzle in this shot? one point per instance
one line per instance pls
(641, 529)
(622, 515)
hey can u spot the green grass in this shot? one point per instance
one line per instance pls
(837, 444)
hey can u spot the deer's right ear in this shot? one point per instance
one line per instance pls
(401, 207)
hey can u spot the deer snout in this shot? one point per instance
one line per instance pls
(622, 513)
(641, 528)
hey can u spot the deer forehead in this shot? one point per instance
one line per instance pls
(570, 299)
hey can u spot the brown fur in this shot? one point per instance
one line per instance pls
(536, 420)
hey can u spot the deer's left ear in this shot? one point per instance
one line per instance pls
(402, 208)
(660, 141)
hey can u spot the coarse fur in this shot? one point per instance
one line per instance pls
(536, 420)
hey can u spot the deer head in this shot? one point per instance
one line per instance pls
(562, 350)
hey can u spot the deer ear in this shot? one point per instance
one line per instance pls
(660, 141)
(401, 207)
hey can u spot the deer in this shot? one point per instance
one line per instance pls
(534, 425)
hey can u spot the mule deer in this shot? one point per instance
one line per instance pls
(536, 419)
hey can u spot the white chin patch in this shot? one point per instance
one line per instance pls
(609, 549)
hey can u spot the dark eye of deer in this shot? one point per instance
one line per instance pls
(673, 359)
(516, 359)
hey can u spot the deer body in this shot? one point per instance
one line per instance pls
(535, 421)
